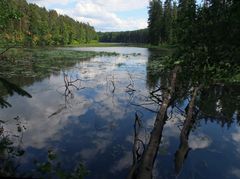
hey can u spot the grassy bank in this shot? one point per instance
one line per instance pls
(100, 44)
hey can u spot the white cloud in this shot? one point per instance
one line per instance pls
(200, 141)
(236, 136)
(123, 163)
(102, 14)
(236, 172)
(49, 2)
(236, 139)
(121, 5)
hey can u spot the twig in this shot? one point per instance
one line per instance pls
(8, 48)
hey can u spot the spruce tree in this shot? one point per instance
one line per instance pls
(167, 26)
(154, 21)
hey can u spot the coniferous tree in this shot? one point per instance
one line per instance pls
(138, 36)
(186, 21)
(154, 22)
(174, 22)
(167, 34)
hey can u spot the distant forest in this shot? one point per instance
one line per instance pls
(137, 36)
(31, 25)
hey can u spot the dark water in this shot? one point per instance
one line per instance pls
(94, 125)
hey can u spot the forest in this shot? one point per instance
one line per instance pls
(165, 106)
(31, 25)
(137, 36)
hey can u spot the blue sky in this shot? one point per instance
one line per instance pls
(104, 15)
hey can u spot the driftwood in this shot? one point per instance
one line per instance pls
(183, 150)
(145, 166)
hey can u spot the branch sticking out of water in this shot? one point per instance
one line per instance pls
(137, 143)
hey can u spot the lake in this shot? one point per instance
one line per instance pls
(87, 117)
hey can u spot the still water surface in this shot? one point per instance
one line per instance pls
(94, 124)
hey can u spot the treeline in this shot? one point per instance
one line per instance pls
(137, 36)
(31, 25)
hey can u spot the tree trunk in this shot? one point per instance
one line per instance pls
(183, 150)
(144, 170)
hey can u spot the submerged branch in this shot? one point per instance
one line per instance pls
(137, 143)
(183, 150)
(4, 51)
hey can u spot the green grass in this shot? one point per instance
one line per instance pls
(99, 44)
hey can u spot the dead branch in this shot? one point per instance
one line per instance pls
(137, 143)
(142, 106)
(130, 87)
(8, 48)
(113, 84)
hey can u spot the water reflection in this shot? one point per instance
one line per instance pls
(192, 113)
(10, 88)
(117, 116)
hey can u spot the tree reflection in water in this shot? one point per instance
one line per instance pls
(218, 102)
(209, 101)
(10, 88)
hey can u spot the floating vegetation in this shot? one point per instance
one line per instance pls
(42, 62)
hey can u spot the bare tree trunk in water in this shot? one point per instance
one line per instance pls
(183, 150)
(144, 170)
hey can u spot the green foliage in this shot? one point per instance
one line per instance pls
(162, 22)
(53, 168)
(7, 13)
(208, 38)
(209, 42)
(167, 22)
(154, 21)
(28, 24)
